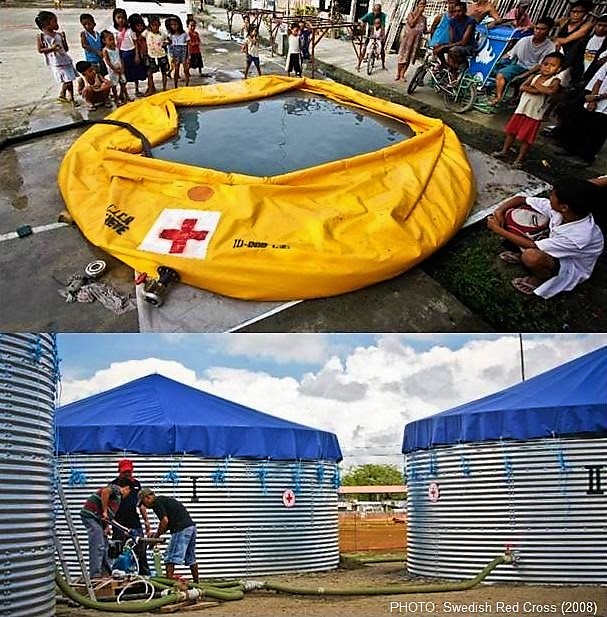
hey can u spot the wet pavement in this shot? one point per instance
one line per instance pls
(38, 265)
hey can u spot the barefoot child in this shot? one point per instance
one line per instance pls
(157, 53)
(178, 48)
(111, 59)
(140, 70)
(125, 42)
(53, 45)
(92, 87)
(194, 53)
(251, 48)
(524, 125)
(568, 255)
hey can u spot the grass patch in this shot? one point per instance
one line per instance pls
(469, 268)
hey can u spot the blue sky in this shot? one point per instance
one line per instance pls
(84, 354)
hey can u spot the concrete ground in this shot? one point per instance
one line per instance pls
(37, 266)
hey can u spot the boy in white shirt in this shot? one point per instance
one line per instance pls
(575, 242)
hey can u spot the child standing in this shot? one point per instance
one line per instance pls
(53, 45)
(125, 44)
(92, 87)
(157, 54)
(525, 122)
(294, 60)
(111, 58)
(90, 40)
(194, 52)
(179, 39)
(140, 70)
(251, 48)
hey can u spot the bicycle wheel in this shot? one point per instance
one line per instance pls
(370, 62)
(462, 97)
(417, 80)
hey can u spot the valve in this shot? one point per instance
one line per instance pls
(155, 290)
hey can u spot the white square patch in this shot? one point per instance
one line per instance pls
(181, 233)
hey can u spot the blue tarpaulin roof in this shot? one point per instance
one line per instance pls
(570, 399)
(156, 415)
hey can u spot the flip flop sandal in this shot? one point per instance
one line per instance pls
(91, 107)
(524, 286)
(498, 154)
(107, 104)
(517, 165)
(510, 257)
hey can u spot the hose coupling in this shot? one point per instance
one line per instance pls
(252, 585)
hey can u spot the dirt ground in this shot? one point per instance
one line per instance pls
(514, 600)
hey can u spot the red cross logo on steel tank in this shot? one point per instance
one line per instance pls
(180, 237)
(288, 498)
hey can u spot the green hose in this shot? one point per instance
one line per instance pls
(113, 607)
(234, 593)
(393, 589)
(227, 590)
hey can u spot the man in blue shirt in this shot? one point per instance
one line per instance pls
(462, 43)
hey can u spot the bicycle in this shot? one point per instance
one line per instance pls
(372, 55)
(459, 93)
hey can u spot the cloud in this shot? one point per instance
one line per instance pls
(367, 397)
(282, 348)
(331, 383)
(118, 373)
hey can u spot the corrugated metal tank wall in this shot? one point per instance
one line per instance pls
(28, 364)
(242, 530)
(532, 495)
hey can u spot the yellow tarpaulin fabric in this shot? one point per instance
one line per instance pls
(310, 233)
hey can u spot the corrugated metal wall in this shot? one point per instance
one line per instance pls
(538, 8)
(531, 495)
(241, 530)
(27, 403)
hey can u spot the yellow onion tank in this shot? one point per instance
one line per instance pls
(320, 231)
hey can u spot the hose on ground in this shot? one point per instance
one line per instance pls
(13, 140)
(135, 581)
(392, 589)
(227, 590)
(113, 607)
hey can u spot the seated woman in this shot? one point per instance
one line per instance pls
(484, 8)
(575, 242)
(462, 43)
(518, 17)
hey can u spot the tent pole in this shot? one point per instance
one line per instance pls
(520, 341)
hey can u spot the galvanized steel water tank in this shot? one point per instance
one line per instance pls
(524, 468)
(28, 375)
(234, 492)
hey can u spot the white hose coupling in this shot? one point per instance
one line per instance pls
(252, 585)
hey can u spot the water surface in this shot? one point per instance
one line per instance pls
(277, 135)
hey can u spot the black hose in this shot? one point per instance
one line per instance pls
(13, 140)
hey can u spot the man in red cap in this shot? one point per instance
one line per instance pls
(128, 517)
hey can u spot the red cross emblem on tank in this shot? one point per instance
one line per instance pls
(288, 498)
(180, 237)
(181, 232)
